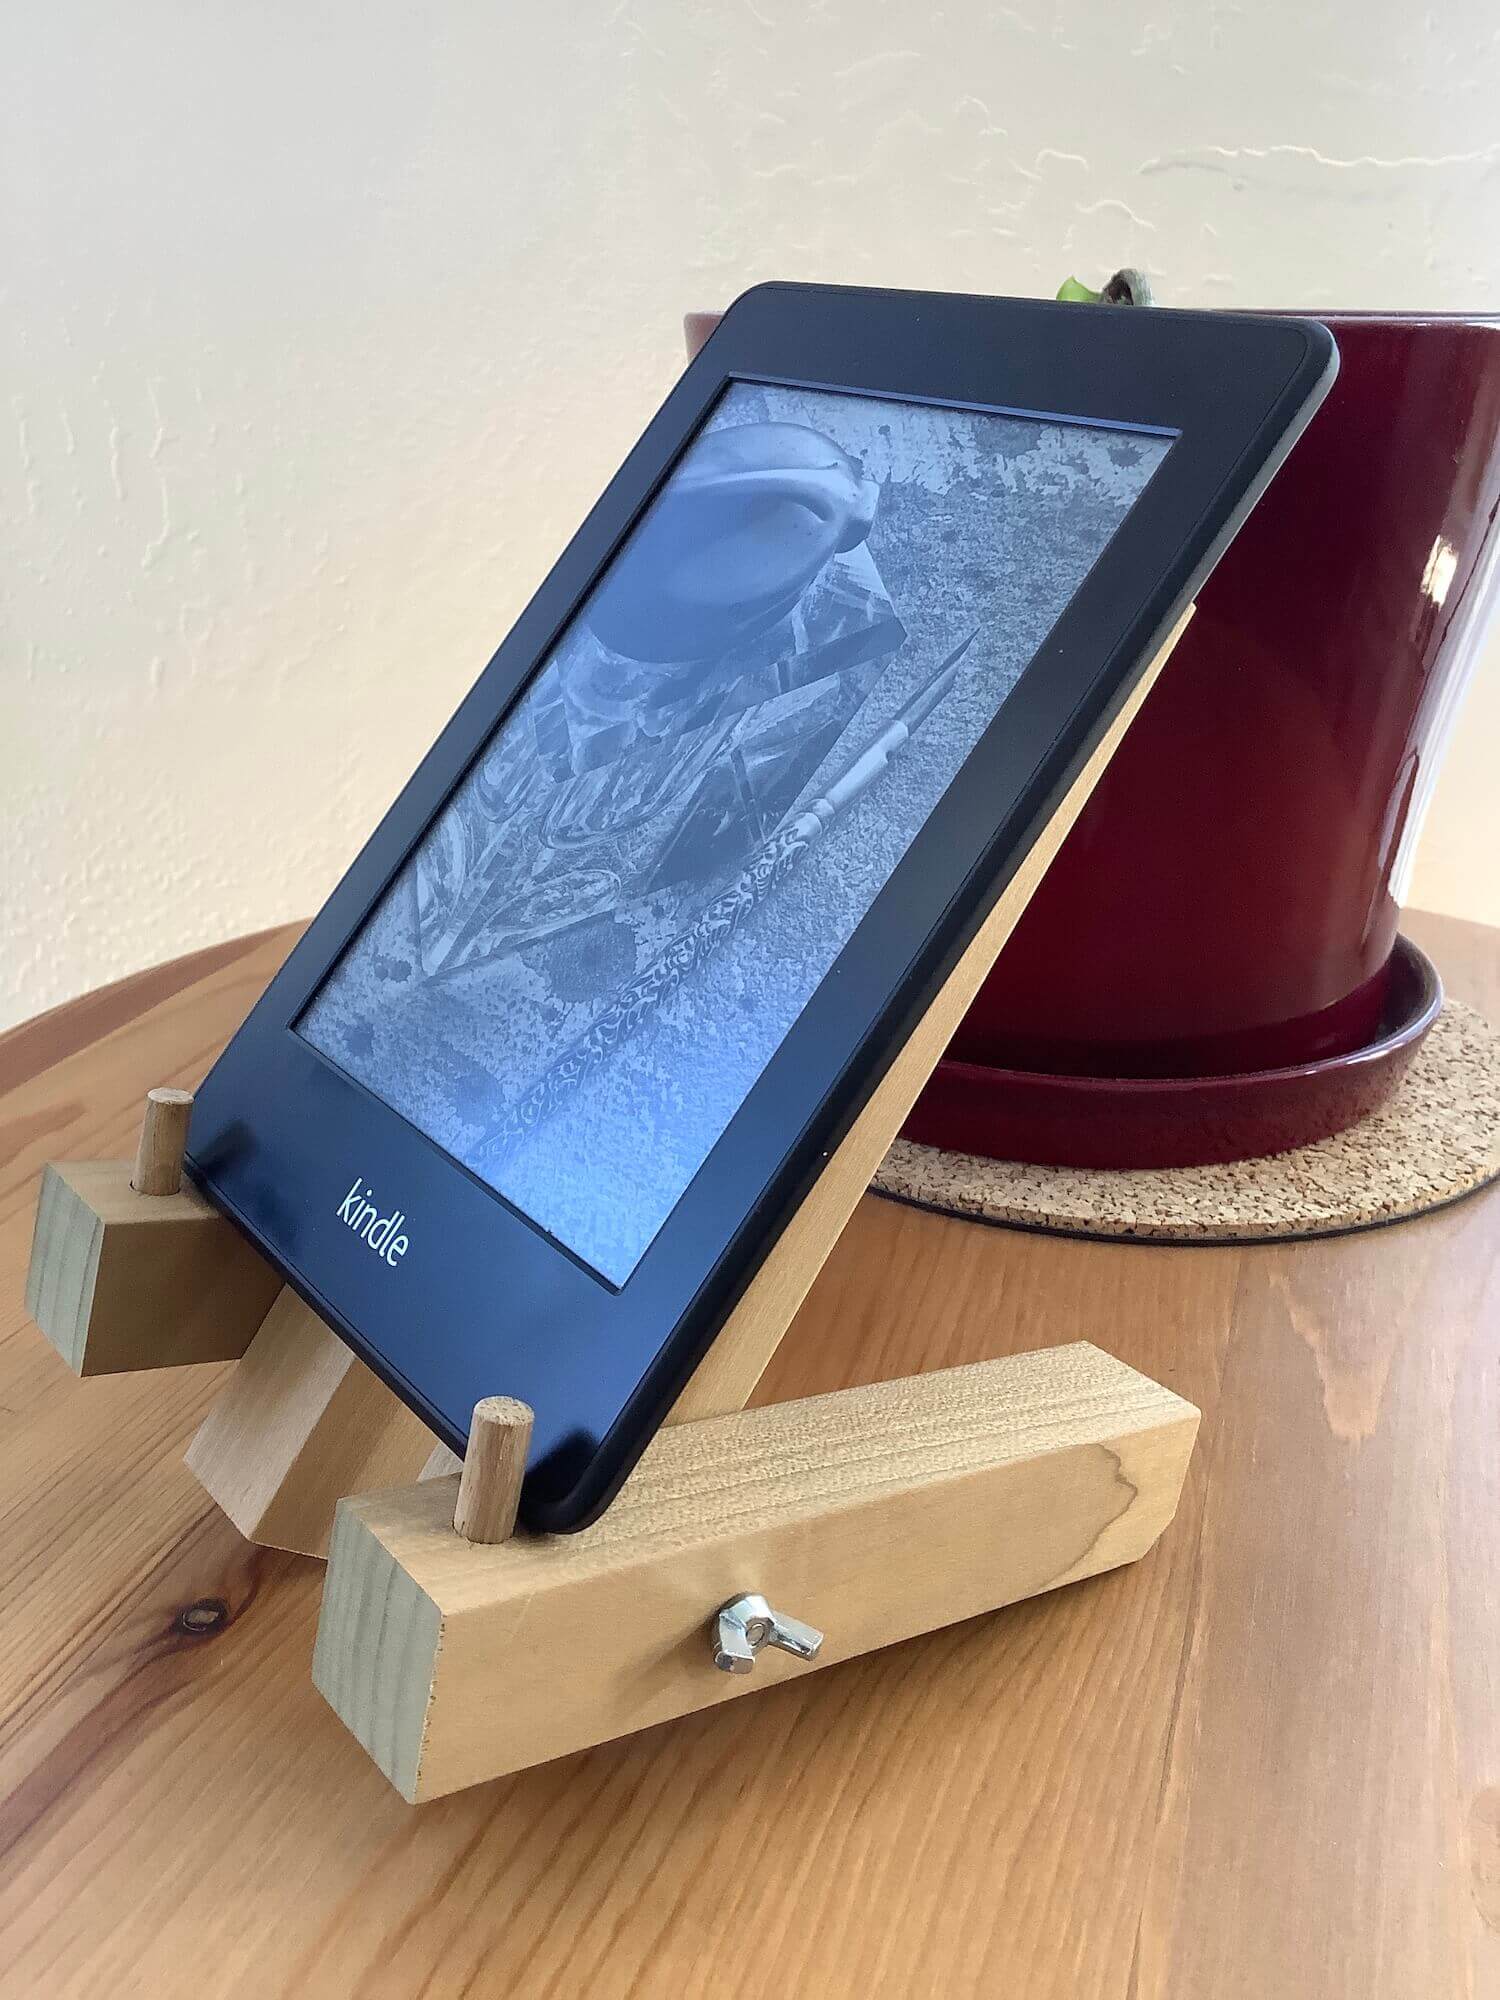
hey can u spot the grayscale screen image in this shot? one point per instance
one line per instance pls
(582, 971)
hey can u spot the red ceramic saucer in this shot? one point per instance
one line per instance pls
(1090, 1121)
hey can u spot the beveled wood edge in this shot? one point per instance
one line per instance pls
(726, 1377)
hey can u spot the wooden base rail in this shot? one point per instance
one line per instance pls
(872, 1515)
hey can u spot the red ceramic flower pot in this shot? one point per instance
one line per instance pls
(1226, 906)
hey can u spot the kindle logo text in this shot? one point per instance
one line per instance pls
(380, 1232)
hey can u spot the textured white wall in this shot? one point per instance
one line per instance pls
(322, 325)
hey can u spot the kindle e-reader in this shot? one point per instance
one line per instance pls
(537, 1091)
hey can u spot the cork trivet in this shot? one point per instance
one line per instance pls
(1438, 1138)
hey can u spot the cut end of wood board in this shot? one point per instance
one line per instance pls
(874, 1514)
(120, 1281)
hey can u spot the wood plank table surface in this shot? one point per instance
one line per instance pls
(1264, 1762)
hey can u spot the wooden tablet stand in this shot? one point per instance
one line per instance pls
(457, 1650)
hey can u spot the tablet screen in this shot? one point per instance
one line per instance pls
(581, 971)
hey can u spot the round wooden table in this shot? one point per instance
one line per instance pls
(1265, 1761)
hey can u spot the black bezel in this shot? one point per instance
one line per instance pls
(483, 1303)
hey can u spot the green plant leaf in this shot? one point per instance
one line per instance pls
(1077, 294)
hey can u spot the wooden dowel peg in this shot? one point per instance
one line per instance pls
(489, 1489)
(164, 1130)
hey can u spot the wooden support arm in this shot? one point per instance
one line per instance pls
(300, 1423)
(873, 1514)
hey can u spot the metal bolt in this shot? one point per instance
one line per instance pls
(747, 1623)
